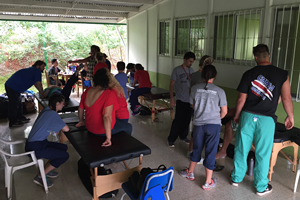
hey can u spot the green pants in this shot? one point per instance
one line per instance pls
(261, 129)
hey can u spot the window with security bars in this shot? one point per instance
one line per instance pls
(190, 36)
(235, 35)
(164, 40)
(285, 49)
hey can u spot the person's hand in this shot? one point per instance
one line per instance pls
(79, 124)
(107, 143)
(172, 102)
(289, 122)
(236, 119)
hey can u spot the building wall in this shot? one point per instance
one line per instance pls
(143, 40)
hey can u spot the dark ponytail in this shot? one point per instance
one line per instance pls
(208, 72)
(55, 98)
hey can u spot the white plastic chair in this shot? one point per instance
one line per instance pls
(11, 167)
(297, 178)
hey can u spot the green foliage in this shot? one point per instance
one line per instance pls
(63, 41)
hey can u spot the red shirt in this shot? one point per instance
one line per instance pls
(144, 79)
(122, 112)
(94, 114)
(99, 66)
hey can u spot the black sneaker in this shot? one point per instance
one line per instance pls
(185, 140)
(266, 191)
(17, 124)
(171, 144)
(24, 119)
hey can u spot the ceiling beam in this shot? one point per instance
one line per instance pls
(65, 5)
(57, 19)
(35, 10)
(124, 1)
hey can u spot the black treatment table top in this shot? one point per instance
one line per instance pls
(72, 105)
(155, 93)
(69, 117)
(89, 147)
(281, 134)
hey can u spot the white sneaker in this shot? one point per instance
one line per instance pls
(198, 163)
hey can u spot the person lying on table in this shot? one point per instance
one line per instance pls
(144, 86)
(99, 104)
(47, 121)
(66, 91)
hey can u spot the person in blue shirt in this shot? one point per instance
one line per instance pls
(48, 121)
(122, 78)
(19, 82)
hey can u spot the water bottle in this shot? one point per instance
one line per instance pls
(234, 125)
(250, 167)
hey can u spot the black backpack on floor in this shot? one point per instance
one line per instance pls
(85, 176)
(145, 110)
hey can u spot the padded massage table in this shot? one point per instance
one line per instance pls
(72, 105)
(89, 148)
(155, 94)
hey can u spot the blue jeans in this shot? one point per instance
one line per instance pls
(120, 126)
(206, 135)
(135, 95)
(55, 152)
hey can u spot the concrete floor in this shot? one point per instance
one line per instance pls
(68, 185)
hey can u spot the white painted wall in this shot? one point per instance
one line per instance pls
(143, 33)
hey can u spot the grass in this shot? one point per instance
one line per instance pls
(4, 78)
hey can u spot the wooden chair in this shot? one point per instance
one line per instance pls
(79, 84)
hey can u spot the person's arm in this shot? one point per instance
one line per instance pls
(128, 70)
(107, 119)
(80, 116)
(134, 82)
(39, 87)
(65, 128)
(80, 61)
(223, 112)
(171, 91)
(287, 104)
(239, 106)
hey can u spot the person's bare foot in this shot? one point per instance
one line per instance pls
(220, 154)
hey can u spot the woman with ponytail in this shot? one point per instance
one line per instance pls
(210, 106)
(196, 79)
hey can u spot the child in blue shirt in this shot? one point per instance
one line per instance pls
(47, 121)
(121, 77)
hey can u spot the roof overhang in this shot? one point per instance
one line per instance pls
(76, 11)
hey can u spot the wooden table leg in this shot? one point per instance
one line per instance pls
(153, 111)
(106, 183)
(40, 107)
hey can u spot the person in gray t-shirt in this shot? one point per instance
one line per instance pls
(196, 76)
(210, 105)
(196, 79)
(180, 80)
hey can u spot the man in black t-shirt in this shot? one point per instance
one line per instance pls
(52, 73)
(259, 92)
